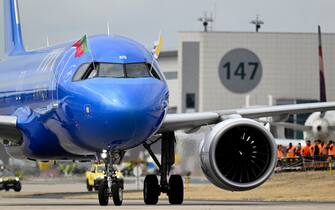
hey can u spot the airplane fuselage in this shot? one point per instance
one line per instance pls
(61, 117)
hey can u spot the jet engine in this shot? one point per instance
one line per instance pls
(238, 154)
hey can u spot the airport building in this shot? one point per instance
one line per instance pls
(223, 70)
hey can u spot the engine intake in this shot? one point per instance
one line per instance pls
(238, 154)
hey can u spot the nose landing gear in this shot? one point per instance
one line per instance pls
(174, 188)
(112, 186)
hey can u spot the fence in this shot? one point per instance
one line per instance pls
(305, 163)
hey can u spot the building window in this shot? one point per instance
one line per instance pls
(190, 100)
(171, 75)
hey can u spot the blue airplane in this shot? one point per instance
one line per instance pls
(55, 105)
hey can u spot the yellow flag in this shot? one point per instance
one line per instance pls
(158, 46)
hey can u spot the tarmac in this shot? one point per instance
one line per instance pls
(42, 203)
(60, 194)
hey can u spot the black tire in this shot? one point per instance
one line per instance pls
(7, 189)
(117, 191)
(151, 190)
(18, 187)
(88, 186)
(176, 190)
(103, 194)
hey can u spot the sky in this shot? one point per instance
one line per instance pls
(142, 20)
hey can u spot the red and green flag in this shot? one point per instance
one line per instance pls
(81, 47)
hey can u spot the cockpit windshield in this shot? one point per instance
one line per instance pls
(113, 70)
(135, 70)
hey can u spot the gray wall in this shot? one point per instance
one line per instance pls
(190, 77)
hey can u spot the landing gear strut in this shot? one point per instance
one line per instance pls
(112, 186)
(173, 187)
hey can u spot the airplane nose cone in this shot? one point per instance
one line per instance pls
(122, 113)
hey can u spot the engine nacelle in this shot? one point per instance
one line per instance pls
(238, 154)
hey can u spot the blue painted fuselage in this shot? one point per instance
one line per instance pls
(61, 118)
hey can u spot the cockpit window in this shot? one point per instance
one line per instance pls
(135, 70)
(112, 70)
(81, 71)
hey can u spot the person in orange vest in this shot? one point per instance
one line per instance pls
(280, 152)
(306, 150)
(298, 150)
(306, 155)
(280, 155)
(290, 151)
(315, 149)
(331, 150)
(323, 149)
(315, 152)
(323, 155)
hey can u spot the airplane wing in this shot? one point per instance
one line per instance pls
(292, 126)
(191, 121)
(8, 129)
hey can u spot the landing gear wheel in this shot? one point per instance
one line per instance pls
(117, 191)
(151, 190)
(18, 187)
(88, 186)
(103, 194)
(176, 190)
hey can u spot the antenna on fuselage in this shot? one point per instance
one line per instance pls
(48, 44)
(108, 29)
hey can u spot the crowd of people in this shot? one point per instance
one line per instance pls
(317, 150)
(316, 155)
